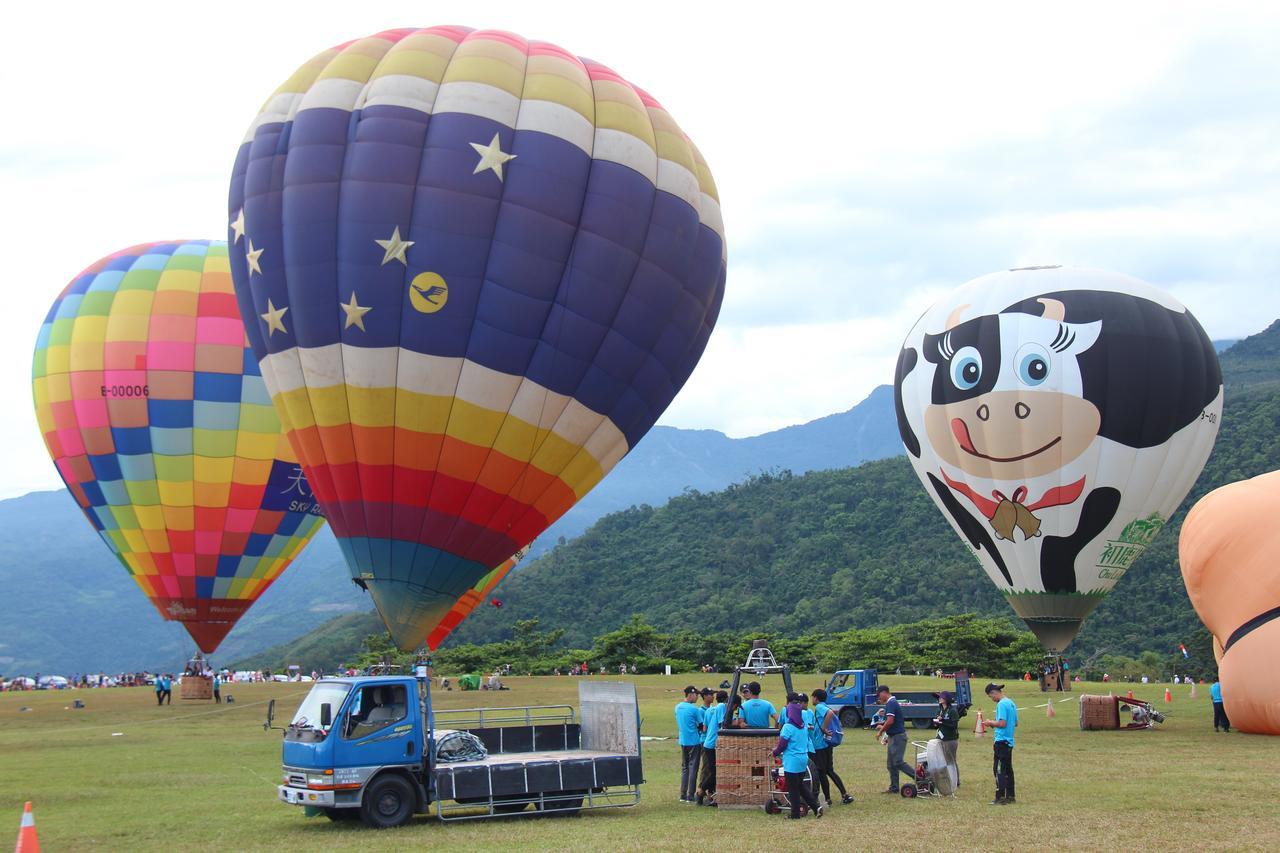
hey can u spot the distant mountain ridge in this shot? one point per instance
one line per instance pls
(69, 606)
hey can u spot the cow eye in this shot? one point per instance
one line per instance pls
(1033, 364)
(966, 368)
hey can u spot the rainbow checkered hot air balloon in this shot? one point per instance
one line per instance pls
(475, 270)
(154, 410)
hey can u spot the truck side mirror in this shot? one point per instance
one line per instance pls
(271, 715)
(326, 715)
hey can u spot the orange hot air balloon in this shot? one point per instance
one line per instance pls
(1228, 553)
(471, 599)
(156, 414)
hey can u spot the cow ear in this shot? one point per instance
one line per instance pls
(1085, 335)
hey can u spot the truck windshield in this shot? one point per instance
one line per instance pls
(332, 692)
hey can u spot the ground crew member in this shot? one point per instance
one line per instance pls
(896, 732)
(689, 726)
(1004, 722)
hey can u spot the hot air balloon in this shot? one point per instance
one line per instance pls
(471, 599)
(155, 413)
(1228, 550)
(1057, 417)
(475, 270)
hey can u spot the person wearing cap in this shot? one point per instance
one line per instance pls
(712, 718)
(793, 747)
(948, 723)
(689, 727)
(896, 731)
(823, 751)
(1004, 722)
(758, 713)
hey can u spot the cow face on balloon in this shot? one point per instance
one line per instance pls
(1057, 429)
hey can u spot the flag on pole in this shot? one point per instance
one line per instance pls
(1182, 648)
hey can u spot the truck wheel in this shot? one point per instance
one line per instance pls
(387, 802)
(509, 808)
(567, 803)
(920, 724)
(337, 815)
(850, 718)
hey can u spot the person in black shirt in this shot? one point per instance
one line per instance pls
(948, 723)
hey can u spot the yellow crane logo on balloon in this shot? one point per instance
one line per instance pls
(428, 293)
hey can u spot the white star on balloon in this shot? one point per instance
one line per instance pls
(355, 312)
(252, 255)
(491, 157)
(274, 318)
(237, 226)
(394, 248)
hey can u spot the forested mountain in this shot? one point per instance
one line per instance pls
(833, 550)
(69, 606)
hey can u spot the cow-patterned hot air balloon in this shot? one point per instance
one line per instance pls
(475, 270)
(155, 413)
(1227, 551)
(1057, 417)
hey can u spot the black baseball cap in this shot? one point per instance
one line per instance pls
(690, 689)
(945, 694)
(991, 685)
(707, 691)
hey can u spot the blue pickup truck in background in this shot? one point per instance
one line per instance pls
(851, 693)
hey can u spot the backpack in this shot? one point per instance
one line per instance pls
(835, 735)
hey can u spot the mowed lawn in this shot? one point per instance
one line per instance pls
(202, 777)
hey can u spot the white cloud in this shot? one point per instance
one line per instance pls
(866, 157)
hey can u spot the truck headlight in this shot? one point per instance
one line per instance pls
(318, 780)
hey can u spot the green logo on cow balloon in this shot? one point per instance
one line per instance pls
(1120, 552)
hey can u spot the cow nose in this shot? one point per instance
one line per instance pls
(1022, 410)
(983, 412)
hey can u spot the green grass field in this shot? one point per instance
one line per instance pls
(202, 777)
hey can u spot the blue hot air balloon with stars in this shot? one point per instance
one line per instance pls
(475, 269)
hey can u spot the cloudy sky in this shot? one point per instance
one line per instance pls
(868, 159)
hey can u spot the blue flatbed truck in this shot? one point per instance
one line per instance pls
(851, 693)
(364, 748)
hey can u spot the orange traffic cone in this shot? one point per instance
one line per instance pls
(27, 841)
(1048, 711)
(1168, 697)
(1130, 694)
(979, 728)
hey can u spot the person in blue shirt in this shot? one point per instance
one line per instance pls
(1004, 722)
(217, 695)
(712, 717)
(1220, 721)
(689, 727)
(894, 728)
(159, 689)
(793, 747)
(758, 713)
(824, 753)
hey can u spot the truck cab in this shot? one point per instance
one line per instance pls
(365, 747)
(346, 731)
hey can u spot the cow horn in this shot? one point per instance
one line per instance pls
(953, 319)
(1053, 309)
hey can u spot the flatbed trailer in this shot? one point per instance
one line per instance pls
(370, 752)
